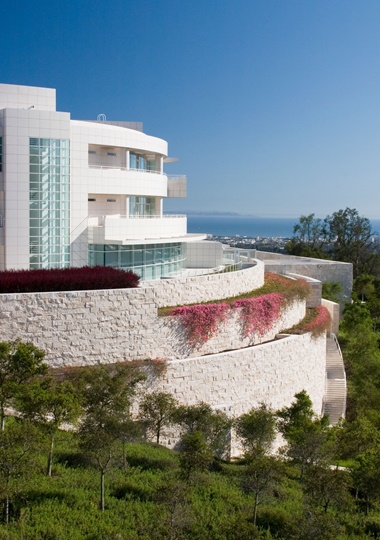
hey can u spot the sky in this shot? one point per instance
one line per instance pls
(271, 106)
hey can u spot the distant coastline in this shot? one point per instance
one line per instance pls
(222, 224)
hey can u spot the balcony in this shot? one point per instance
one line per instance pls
(107, 179)
(121, 229)
(177, 186)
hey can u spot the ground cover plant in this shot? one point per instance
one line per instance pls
(317, 321)
(259, 309)
(66, 279)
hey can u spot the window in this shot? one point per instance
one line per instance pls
(111, 154)
(92, 151)
(111, 200)
(91, 200)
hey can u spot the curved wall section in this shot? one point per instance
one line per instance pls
(90, 327)
(236, 381)
(197, 289)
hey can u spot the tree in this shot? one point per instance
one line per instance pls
(156, 412)
(19, 363)
(349, 238)
(366, 476)
(214, 426)
(261, 475)
(107, 395)
(16, 445)
(327, 487)
(309, 440)
(195, 454)
(308, 238)
(50, 404)
(257, 429)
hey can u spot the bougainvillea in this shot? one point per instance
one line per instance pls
(317, 321)
(320, 323)
(202, 320)
(259, 314)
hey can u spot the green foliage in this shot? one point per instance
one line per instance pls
(19, 363)
(342, 236)
(214, 426)
(157, 410)
(332, 290)
(257, 430)
(195, 454)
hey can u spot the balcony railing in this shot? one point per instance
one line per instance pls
(120, 168)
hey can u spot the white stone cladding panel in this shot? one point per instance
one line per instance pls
(196, 289)
(236, 381)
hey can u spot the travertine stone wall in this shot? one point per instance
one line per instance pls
(90, 327)
(236, 381)
(190, 290)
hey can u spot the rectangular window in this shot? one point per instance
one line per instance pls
(92, 151)
(111, 200)
(111, 154)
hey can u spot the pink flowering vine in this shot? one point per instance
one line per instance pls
(202, 320)
(320, 323)
(259, 314)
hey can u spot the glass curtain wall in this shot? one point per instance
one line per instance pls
(149, 261)
(49, 209)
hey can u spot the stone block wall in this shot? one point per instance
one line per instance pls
(236, 381)
(194, 289)
(90, 327)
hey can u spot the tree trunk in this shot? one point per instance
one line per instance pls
(6, 517)
(50, 458)
(102, 505)
(255, 508)
(2, 418)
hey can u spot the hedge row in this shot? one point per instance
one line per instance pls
(67, 279)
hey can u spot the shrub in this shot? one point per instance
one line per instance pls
(66, 279)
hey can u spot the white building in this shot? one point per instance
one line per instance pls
(74, 193)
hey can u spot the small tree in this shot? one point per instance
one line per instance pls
(309, 440)
(257, 429)
(17, 443)
(195, 454)
(50, 404)
(157, 411)
(214, 426)
(19, 363)
(107, 395)
(260, 477)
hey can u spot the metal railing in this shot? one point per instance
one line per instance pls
(150, 216)
(121, 168)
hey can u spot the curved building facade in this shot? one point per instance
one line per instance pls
(74, 193)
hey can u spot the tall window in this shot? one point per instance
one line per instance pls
(141, 206)
(49, 205)
(1, 154)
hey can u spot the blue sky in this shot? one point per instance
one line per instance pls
(272, 106)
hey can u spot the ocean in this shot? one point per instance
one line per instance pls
(247, 226)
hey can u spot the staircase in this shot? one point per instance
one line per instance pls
(336, 389)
